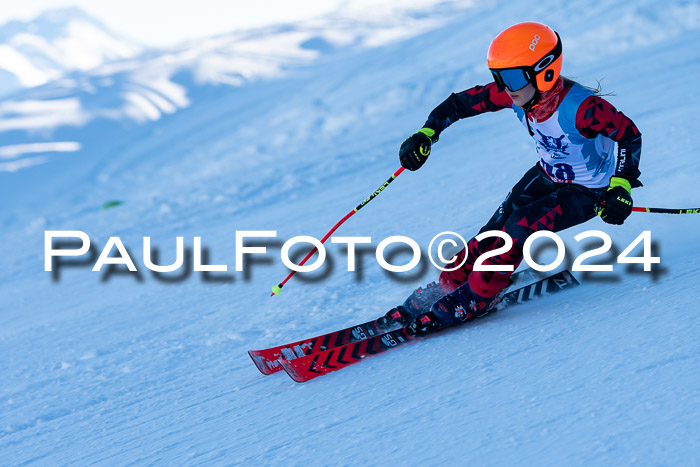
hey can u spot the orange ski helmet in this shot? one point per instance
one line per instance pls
(525, 53)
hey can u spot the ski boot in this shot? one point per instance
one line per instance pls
(416, 304)
(453, 308)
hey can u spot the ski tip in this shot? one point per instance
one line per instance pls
(288, 367)
(260, 363)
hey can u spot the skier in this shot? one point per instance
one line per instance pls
(589, 157)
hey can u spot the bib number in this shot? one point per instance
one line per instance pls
(559, 171)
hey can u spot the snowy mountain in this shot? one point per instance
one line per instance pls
(55, 43)
(148, 86)
(131, 92)
(287, 128)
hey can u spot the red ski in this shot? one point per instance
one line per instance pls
(306, 367)
(267, 360)
(311, 366)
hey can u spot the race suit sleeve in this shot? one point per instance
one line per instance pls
(474, 101)
(596, 116)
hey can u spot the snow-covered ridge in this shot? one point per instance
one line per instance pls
(125, 86)
(57, 42)
(147, 86)
(143, 88)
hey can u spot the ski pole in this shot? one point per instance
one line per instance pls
(278, 288)
(668, 211)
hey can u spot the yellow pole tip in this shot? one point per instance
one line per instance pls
(276, 290)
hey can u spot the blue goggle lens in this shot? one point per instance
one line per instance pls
(514, 78)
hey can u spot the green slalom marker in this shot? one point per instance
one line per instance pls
(111, 204)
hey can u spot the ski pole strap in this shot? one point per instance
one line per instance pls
(276, 290)
(667, 211)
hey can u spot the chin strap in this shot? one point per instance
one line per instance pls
(528, 107)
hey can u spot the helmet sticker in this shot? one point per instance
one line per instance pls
(542, 64)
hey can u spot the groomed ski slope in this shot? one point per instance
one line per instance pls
(116, 371)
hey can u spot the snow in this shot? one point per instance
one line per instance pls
(57, 42)
(114, 368)
(40, 114)
(17, 150)
(17, 64)
(14, 166)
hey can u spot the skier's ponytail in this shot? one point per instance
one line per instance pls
(598, 90)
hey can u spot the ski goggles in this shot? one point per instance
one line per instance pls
(516, 78)
(512, 78)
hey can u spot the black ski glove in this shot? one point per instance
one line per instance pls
(416, 148)
(616, 203)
